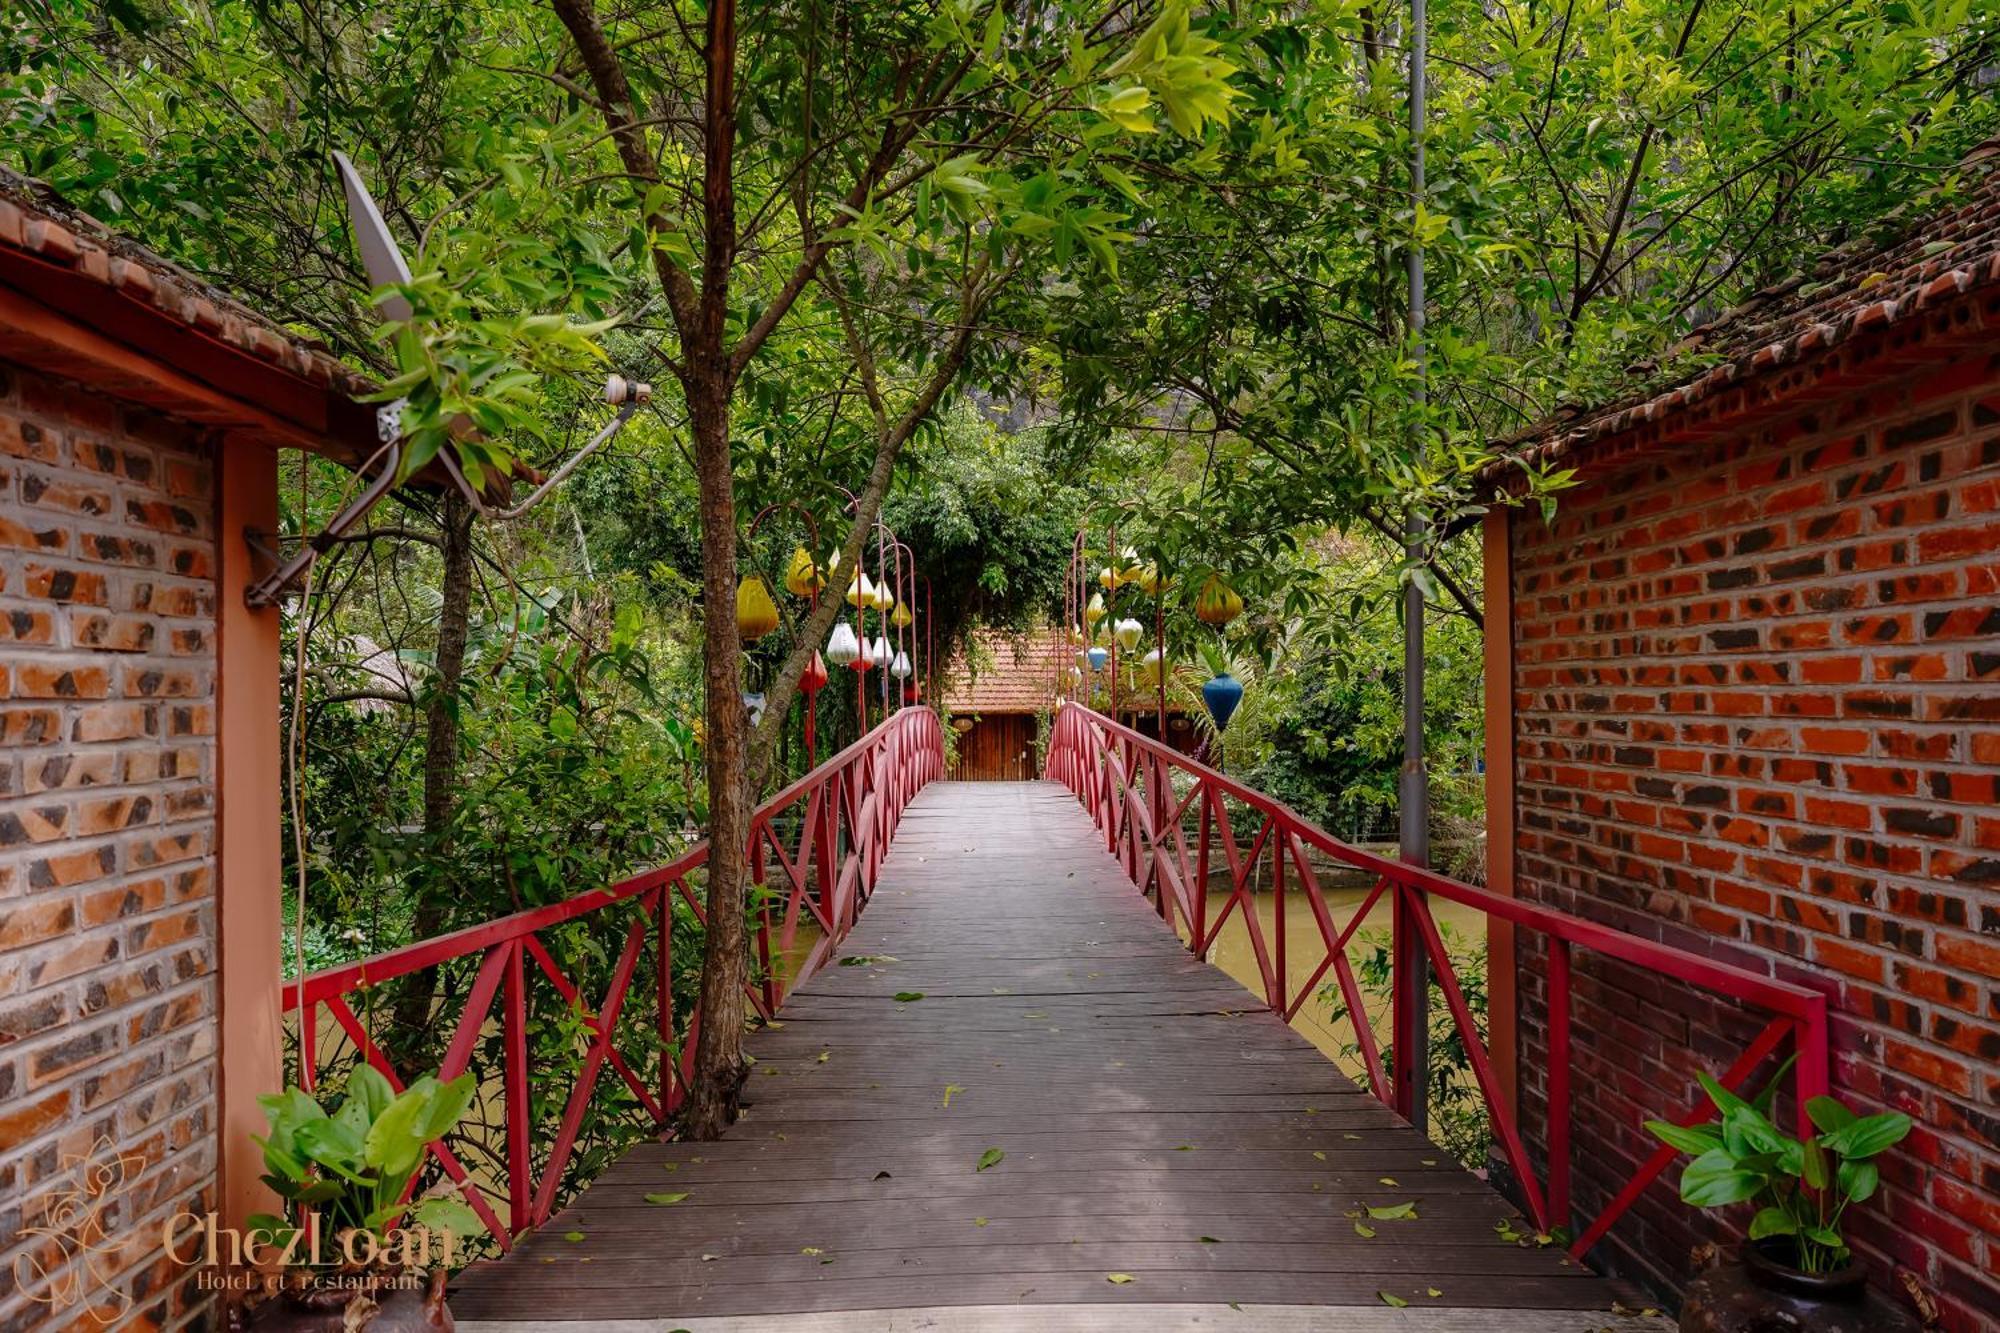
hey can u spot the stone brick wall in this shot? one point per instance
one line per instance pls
(107, 765)
(1757, 690)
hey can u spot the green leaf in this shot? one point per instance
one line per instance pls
(1393, 1211)
(395, 1140)
(666, 1198)
(906, 996)
(1118, 1279)
(1858, 1180)
(1772, 1222)
(1829, 1114)
(371, 1090)
(1688, 1138)
(448, 1103)
(1723, 1098)
(989, 1159)
(1868, 1135)
(451, 1215)
(1715, 1178)
(1390, 1298)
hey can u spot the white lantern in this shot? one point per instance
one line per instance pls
(754, 703)
(1076, 675)
(843, 649)
(1127, 632)
(900, 668)
(879, 652)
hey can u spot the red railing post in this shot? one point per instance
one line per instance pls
(1558, 1082)
(519, 1192)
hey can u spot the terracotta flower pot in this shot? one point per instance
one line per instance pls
(1764, 1294)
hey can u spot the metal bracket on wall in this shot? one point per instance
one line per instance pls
(267, 590)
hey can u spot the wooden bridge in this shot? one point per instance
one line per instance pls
(1009, 1096)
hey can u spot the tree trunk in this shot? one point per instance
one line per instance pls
(441, 756)
(718, 1061)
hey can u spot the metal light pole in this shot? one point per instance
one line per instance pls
(1412, 988)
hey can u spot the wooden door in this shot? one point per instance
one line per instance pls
(999, 747)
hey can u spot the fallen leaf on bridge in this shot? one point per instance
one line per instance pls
(573, 1236)
(1118, 1279)
(949, 1089)
(988, 1159)
(1392, 1212)
(665, 1198)
(1391, 1298)
(979, 1221)
(1364, 1231)
(906, 996)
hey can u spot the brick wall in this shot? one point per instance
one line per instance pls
(107, 760)
(1757, 693)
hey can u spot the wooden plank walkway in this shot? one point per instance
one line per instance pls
(1154, 1123)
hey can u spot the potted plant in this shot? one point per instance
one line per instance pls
(1795, 1270)
(353, 1250)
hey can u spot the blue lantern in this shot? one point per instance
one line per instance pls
(1222, 693)
(1098, 657)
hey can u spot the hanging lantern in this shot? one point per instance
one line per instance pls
(900, 668)
(842, 648)
(813, 679)
(1127, 632)
(1075, 677)
(1094, 612)
(1149, 580)
(1107, 578)
(1222, 693)
(879, 653)
(756, 613)
(1128, 566)
(1217, 603)
(883, 599)
(1098, 657)
(860, 591)
(1149, 668)
(755, 704)
(901, 618)
(802, 576)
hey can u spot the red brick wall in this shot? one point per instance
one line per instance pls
(1757, 691)
(107, 758)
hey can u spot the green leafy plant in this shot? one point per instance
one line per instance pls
(1803, 1186)
(352, 1169)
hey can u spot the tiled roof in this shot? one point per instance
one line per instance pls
(1016, 673)
(34, 222)
(1860, 289)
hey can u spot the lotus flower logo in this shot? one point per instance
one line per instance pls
(80, 1260)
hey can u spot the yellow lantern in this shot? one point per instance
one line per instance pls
(884, 599)
(1217, 603)
(1094, 612)
(1106, 577)
(802, 576)
(756, 613)
(861, 591)
(902, 619)
(1148, 579)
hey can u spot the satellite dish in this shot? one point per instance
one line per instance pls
(379, 254)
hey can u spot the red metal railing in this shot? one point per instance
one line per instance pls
(839, 820)
(1143, 796)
